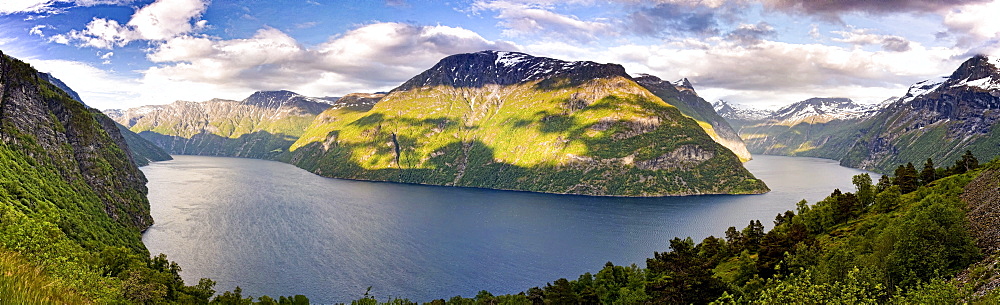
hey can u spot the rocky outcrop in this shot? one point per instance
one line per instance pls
(684, 157)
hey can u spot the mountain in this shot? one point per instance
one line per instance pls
(739, 113)
(507, 120)
(682, 95)
(59, 84)
(816, 127)
(142, 150)
(938, 119)
(65, 141)
(260, 126)
(357, 101)
(73, 204)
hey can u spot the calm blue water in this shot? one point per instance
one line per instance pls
(275, 229)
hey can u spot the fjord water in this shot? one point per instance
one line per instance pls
(274, 229)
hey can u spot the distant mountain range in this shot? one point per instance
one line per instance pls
(938, 119)
(261, 126)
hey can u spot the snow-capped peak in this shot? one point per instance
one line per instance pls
(505, 58)
(740, 112)
(824, 109)
(506, 68)
(923, 87)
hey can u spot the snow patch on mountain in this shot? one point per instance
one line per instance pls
(740, 112)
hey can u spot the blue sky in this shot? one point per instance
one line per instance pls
(765, 53)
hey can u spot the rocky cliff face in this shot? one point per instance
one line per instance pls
(142, 150)
(507, 120)
(45, 132)
(682, 95)
(357, 101)
(261, 126)
(936, 119)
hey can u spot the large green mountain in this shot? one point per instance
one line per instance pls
(935, 119)
(512, 121)
(260, 126)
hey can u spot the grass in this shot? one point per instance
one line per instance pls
(24, 283)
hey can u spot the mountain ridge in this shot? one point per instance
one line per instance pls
(938, 119)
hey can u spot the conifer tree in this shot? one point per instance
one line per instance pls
(928, 174)
(906, 178)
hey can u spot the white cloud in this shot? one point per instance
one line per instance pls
(166, 19)
(98, 88)
(862, 37)
(527, 19)
(24, 6)
(772, 73)
(974, 24)
(37, 30)
(158, 21)
(49, 6)
(373, 57)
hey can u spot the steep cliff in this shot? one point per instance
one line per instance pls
(683, 96)
(62, 157)
(936, 119)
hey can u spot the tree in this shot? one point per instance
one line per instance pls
(735, 240)
(866, 191)
(560, 292)
(966, 163)
(969, 161)
(752, 235)
(884, 182)
(682, 276)
(906, 178)
(928, 174)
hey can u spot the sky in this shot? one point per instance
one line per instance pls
(759, 53)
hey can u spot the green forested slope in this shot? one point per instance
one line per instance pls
(72, 204)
